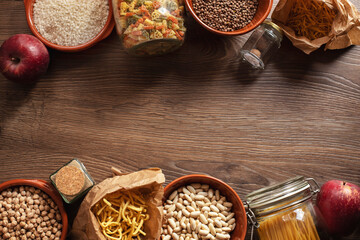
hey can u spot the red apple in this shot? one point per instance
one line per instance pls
(23, 58)
(339, 203)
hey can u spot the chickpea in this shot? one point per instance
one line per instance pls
(28, 213)
(6, 235)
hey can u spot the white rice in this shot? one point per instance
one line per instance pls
(70, 22)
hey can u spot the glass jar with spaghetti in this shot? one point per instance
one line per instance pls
(150, 27)
(285, 211)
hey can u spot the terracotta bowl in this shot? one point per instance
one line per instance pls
(49, 190)
(105, 32)
(239, 232)
(262, 12)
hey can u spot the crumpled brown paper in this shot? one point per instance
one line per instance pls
(148, 181)
(345, 30)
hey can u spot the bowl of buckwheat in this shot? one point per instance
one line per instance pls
(31, 209)
(229, 17)
(202, 207)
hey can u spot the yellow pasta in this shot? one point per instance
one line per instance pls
(296, 224)
(121, 216)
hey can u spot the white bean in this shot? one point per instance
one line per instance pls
(231, 221)
(203, 193)
(166, 237)
(213, 214)
(199, 197)
(221, 236)
(217, 195)
(190, 209)
(195, 214)
(191, 189)
(205, 186)
(214, 208)
(188, 198)
(226, 229)
(172, 223)
(172, 208)
(210, 193)
(220, 207)
(192, 224)
(203, 219)
(170, 230)
(203, 232)
(175, 236)
(205, 209)
(200, 203)
(222, 216)
(218, 223)
(186, 191)
(228, 217)
(188, 227)
(179, 206)
(212, 229)
(185, 212)
(173, 195)
(196, 185)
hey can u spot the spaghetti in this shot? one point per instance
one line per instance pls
(296, 224)
(311, 18)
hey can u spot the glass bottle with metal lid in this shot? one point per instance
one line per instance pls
(285, 211)
(262, 44)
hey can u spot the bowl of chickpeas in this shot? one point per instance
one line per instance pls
(31, 209)
(202, 207)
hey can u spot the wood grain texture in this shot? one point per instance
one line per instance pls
(197, 110)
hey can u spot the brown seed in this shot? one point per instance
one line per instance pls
(70, 180)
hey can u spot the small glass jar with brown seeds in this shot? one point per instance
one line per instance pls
(262, 44)
(72, 181)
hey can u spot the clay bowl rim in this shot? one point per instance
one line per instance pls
(243, 30)
(49, 190)
(105, 31)
(206, 179)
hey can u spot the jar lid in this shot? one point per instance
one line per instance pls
(274, 25)
(281, 195)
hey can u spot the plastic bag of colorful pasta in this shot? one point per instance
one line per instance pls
(150, 27)
(126, 206)
(311, 23)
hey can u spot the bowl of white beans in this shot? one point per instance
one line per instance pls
(31, 209)
(202, 207)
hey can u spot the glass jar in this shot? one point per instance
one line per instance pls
(150, 27)
(262, 44)
(286, 211)
(72, 181)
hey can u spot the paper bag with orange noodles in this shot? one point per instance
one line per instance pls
(148, 182)
(311, 23)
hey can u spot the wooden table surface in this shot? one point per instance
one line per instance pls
(197, 110)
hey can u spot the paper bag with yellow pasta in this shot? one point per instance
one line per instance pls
(311, 23)
(124, 207)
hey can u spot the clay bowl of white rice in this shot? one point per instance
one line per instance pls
(70, 25)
